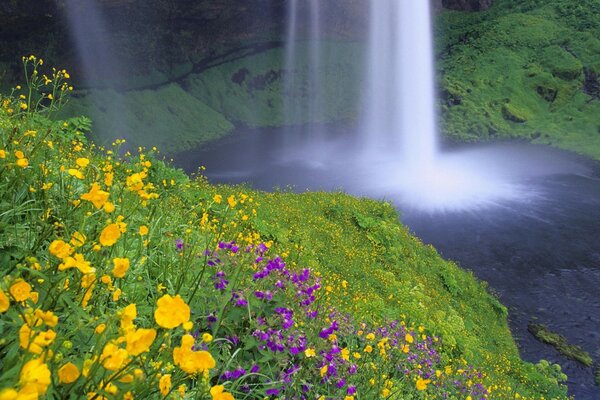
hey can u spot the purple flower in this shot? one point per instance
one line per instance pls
(179, 244)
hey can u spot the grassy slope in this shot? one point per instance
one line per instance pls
(390, 273)
(517, 70)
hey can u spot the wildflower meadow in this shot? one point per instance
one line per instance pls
(123, 278)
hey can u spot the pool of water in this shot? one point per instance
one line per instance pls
(524, 218)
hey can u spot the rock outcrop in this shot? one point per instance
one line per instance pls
(467, 5)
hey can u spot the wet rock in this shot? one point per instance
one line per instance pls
(591, 85)
(467, 5)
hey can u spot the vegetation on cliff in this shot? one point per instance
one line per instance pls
(523, 70)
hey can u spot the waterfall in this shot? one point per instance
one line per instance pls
(398, 112)
(303, 63)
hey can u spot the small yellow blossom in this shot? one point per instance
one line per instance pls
(121, 265)
(218, 393)
(164, 384)
(171, 312)
(143, 230)
(75, 172)
(35, 374)
(82, 162)
(4, 302)
(96, 196)
(190, 361)
(139, 341)
(68, 373)
(20, 290)
(421, 384)
(60, 249)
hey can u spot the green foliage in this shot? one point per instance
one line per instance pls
(517, 71)
(560, 343)
(251, 90)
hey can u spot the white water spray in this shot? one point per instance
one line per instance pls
(303, 63)
(399, 108)
(399, 118)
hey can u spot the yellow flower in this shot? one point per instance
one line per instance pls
(116, 295)
(47, 317)
(77, 261)
(23, 106)
(75, 172)
(218, 393)
(143, 230)
(345, 354)
(128, 314)
(370, 336)
(139, 341)
(96, 196)
(171, 312)
(190, 361)
(100, 328)
(9, 394)
(82, 162)
(68, 373)
(41, 340)
(207, 337)
(20, 290)
(4, 302)
(23, 162)
(35, 374)
(2, 154)
(218, 198)
(121, 265)
(111, 234)
(409, 338)
(231, 201)
(323, 370)
(60, 249)
(421, 384)
(310, 352)
(135, 181)
(368, 349)
(385, 392)
(78, 239)
(164, 384)
(113, 358)
(108, 207)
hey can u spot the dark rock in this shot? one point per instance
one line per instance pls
(591, 85)
(240, 76)
(260, 82)
(467, 5)
(547, 93)
(560, 343)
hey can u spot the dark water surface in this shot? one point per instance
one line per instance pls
(538, 246)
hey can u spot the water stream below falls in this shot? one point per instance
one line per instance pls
(533, 234)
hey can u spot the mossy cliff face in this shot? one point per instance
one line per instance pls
(522, 70)
(512, 70)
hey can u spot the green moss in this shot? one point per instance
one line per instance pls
(513, 113)
(518, 71)
(560, 343)
(597, 375)
(562, 64)
(252, 90)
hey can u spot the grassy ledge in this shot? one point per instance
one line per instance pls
(122, 277)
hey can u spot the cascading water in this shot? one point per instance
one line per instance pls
(303, 63)
(399, 119)
(399, 108)
(100, 67)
